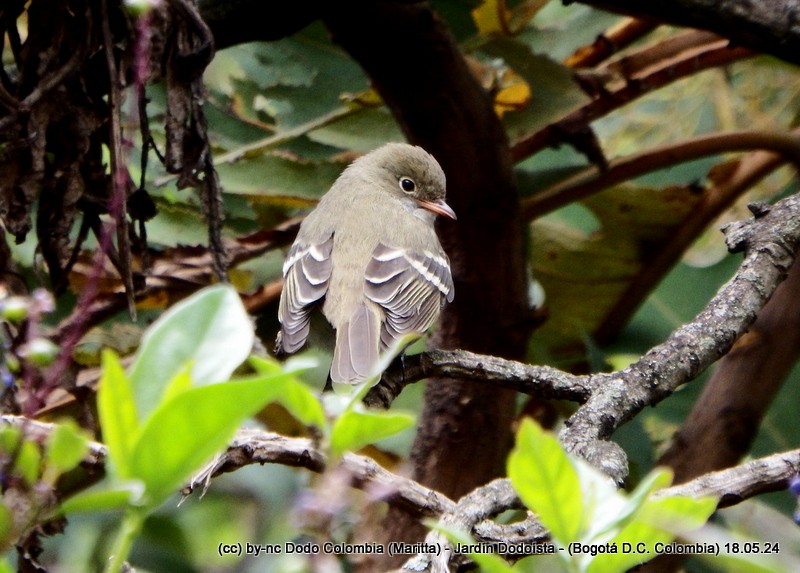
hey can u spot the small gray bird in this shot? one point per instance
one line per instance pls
(368, 253)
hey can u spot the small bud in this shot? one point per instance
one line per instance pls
(139, 7)
(794, 485)
(14, 309)
(7, 378)
(40, 352)
(43, 300)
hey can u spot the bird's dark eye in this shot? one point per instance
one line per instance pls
(407, 185)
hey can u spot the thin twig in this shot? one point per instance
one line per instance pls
(554, 133)
(619, 36)
(592, 180)
(117, 204)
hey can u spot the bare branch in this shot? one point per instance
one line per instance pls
(767, 25)
(543, 381)
(260, 447)
(734, 485)
(707, 56)
(611, 41)
(592, 180)
(771, 242)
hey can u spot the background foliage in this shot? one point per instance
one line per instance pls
(285, 117)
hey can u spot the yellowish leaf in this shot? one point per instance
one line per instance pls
(491, 18)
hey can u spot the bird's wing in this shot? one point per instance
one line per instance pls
(306, 273)
(410, 286)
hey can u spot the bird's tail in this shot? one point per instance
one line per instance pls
(356, 353)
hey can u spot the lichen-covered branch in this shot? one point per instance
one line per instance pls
(770, 241)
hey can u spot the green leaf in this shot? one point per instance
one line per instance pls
(651, 522)
(28, 462)
(292, 182)
(678, 515)
(186, 431)
(66, 447)
(290, 392)
(6, 522)
(105, 498)
(181, 382)
(9, 436)
(487, 562)
(659, 478)
(210, 328)
(554, 93)
(547, 482)
(355, 429)
(301, 78)
(363, 130)
(635, 544)
(117, 412)
(604, 504)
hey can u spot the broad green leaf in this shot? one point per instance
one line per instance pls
(583, 276)
(292, 394)
(678, 515)
(104, 498)
(363, 130)
(651, 521)
(5, 567)
(659, 478)
(186, 431)
(355, 429)
(301, 403)
(66, 447)
(295, 79)
(586, 274)
(603, 502)
(554, 91)
(210, 328)
(487, 562)
(117, 412)
(279, 181)
(547, 482)
(635, 544)
(180, 383)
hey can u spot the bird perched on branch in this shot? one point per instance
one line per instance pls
(369, 255)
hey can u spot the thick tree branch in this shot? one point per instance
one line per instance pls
(726, 417)
(473, 512)
(770, 26)
(730, 487)
(734, 485)
(259, 447)
(542, 381)
(771, 241)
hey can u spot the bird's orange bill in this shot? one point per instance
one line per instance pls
(439, 207)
